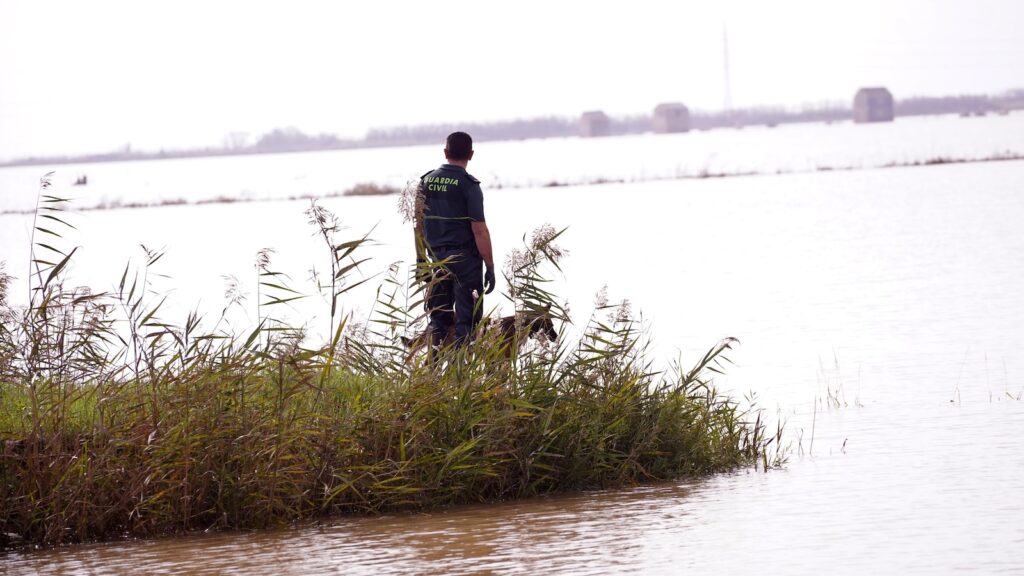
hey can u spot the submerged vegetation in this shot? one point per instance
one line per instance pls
(117, 422)
(360, 189)
(703, 173)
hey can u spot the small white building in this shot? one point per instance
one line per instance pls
(594, 123)
(873, 105)
(671, 117)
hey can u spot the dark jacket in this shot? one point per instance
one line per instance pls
(452, 201)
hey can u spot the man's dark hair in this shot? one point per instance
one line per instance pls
(459, 145)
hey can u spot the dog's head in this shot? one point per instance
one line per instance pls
(538, 323)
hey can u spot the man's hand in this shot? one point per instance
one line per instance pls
(488, 279)
(423, 271)
(483, 245)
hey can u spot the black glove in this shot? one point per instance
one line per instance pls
(488, 279)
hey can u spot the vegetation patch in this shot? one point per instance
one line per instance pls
(115, 422)
(371, 189)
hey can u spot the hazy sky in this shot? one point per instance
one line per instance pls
(79, 76)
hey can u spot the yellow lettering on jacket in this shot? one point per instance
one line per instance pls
(443, 181)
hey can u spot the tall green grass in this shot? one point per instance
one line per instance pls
(116, 422)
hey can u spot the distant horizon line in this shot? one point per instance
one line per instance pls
(289, 139)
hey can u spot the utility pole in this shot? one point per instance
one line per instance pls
(725, 69)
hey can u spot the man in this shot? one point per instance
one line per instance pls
(451, 228)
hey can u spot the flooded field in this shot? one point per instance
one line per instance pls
(879, 313)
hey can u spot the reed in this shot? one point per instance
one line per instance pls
(115, 422)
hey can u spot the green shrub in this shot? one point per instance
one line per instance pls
(115, 422)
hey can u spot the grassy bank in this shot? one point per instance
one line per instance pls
(115, 422)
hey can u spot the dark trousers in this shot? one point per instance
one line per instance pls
(451, 301)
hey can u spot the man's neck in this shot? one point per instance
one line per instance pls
(464, 164)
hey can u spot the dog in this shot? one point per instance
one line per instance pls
(504, 330)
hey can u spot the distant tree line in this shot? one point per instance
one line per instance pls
(553, 126)
(281, 140)
(293, 140)
(546, 127)
(965, 104)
